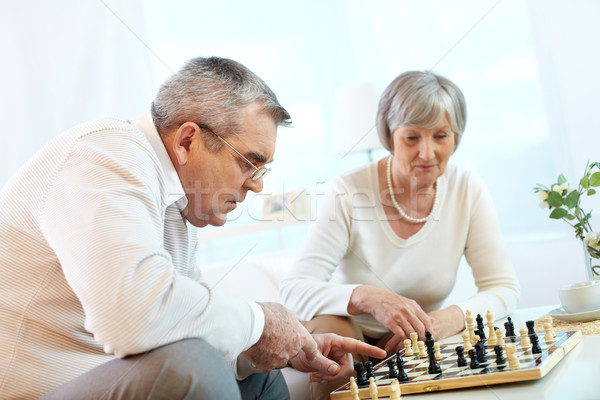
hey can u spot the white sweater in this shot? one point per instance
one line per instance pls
(351, 243)
(96, 261)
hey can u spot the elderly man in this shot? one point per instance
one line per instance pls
(100, 296)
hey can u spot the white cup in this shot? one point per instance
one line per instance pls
(580, 297)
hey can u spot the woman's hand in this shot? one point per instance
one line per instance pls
(447, 322)
(398, 314)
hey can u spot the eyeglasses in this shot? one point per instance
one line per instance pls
(258, 172)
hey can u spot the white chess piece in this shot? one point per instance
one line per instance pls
(467, 341)
(373, 392)
(394, 390)
(408, 348)
(499, 338)
(513, 361)
(354, 389)
(414, 338)
(438, 353)
(525, 342)
(422, 351)
(549, 338)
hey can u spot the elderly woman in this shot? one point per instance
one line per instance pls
(383, 254)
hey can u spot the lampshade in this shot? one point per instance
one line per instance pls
(354, 119)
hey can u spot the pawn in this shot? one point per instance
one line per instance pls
(530, 329)
(354, 389)
(548, 320)
(408, 351)
(510, 328)
(438, 353)
(422, 352)
(394, 390)
(499, 338)
(525, 342)
(460, 352)
(513, 361)
(392, 373)
(473, 357)
(373, 392)
(481, 352)
(500, 360)
(467, 341)
(361, 379)
(400, 364)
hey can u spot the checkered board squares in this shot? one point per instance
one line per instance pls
(532, 366)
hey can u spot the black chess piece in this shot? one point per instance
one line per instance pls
(535, 344)
(361, 379)
(530, 330)
(429, 340)
(434, 367)
(473, 357)
(460, 352)
(480, 351)
(510, 328)
(402, 377)
(480, 327)
(392, 373)
(500, 360)
(369, 370)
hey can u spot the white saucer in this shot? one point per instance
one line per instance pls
(561, 314)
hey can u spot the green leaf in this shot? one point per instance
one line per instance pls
(561, 179)
(585, 182)
(595, 179)
(558, 213)
(591, 192)
(555, 199)
(572, 199)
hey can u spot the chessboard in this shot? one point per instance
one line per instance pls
(531, 365)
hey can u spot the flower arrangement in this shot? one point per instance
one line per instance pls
(565, 204)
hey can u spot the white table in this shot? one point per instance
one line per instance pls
(576, 377)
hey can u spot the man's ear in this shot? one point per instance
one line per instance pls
(185, 136)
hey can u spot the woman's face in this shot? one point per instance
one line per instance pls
(422, 153)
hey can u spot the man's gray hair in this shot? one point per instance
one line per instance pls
(212, 91)
(421, 99)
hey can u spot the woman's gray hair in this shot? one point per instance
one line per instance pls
(421, 99)
(212, 91)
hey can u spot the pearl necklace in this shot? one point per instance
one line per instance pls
(400, 210)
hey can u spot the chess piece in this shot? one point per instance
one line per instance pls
(513, 361)
(369, 369)
(438, 353)
(510, 328)
(470, 326)
(414, 338)
(361, 379)
(480, 326)
(394, 391)
(392, 373)
(490, 323)
(400, 364)
(460, 352)
(467, 341)
(480, 351)
(499, 338)
(408, 351)
(373, 392)
(530, 330)
(434, 367)
(548, 320)
(421, 345)
(500, 360)
(473, 356)
(354, 389)
(525, 342)
(535, 344)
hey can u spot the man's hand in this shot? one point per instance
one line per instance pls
(332, 359)
(399, 314)
(282, 338)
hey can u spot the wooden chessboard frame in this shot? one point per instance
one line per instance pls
(537, 368)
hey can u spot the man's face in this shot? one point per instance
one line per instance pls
(215, 182)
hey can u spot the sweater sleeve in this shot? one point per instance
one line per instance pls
(308, 290)
(486, 254)
(104, 218)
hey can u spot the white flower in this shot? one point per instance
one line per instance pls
(560, 188)
(592, 239)
(544, 204)
(542, 195)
